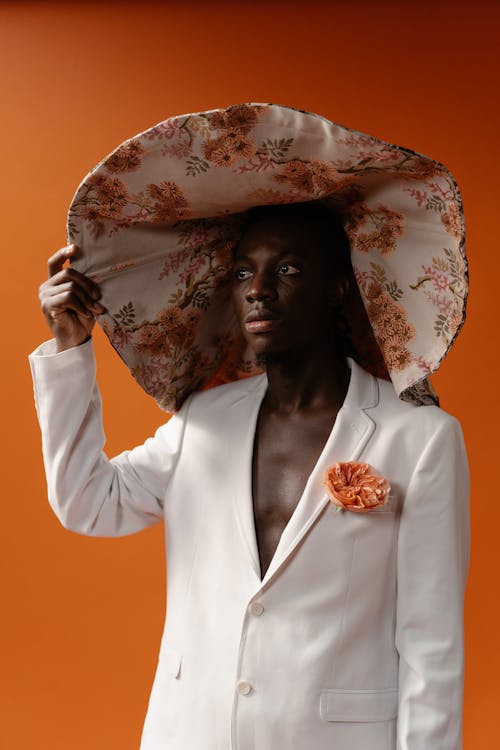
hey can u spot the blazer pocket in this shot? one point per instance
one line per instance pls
(170, 660)
(359, 705)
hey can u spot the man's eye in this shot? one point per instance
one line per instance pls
(241, 274)
(286, 269)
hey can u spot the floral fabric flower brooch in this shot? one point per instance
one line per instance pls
(355, 486)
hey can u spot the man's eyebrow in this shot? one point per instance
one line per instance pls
(295, 255)
(288, 255)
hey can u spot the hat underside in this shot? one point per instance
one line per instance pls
(157, 219)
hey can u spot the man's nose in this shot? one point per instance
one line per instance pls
(261, 288)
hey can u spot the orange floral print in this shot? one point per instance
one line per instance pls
(231, 145)
(152, 339)
(110, 195)
(126, 158)
(170, 203)
(179, 326)
(217, 120)
(237, 143)
(452, 221)
(355, 486)
(324, 174)
(170, 318)
(391, 327)
(395, 353)
(389, 227)
(218, 151)
(297, 174)
(243, 116)
(316, 178)
(240, 116)
(327, 179)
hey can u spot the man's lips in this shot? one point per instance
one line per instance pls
(260, 321)
(261, 326)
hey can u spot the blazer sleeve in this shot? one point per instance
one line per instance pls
(89, 493)
(432, 565)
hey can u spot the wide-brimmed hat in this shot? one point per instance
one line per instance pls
(157, 219)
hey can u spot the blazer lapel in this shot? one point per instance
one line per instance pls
(350, 434)
(242, 417)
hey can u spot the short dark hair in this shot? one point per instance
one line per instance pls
(324, 225)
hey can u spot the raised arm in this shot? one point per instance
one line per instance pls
(89, 493)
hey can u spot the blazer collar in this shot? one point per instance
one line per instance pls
(349, 436)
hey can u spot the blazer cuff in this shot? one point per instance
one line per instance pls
(45, 358)
(60, 375)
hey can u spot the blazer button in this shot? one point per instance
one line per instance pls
(243, 687)
(256, 608)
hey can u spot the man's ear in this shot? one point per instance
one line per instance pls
(338, 289)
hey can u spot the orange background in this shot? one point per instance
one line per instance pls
(81, 618)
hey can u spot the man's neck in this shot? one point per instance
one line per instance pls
(306, 381)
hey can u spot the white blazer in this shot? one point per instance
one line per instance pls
(354, 638)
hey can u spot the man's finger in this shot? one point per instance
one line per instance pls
(69, 287)
(63, 303)
(68, 275)
(56, 261)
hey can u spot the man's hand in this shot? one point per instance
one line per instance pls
(69, 301)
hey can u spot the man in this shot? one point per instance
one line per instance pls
(289, 624)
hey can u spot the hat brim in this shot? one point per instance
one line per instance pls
(156, 221)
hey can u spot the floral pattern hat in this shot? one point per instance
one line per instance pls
(157, 219)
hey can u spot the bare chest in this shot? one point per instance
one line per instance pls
(285, 454)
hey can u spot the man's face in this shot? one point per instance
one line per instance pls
(279, 290)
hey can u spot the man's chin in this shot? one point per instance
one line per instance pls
(262, 360)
